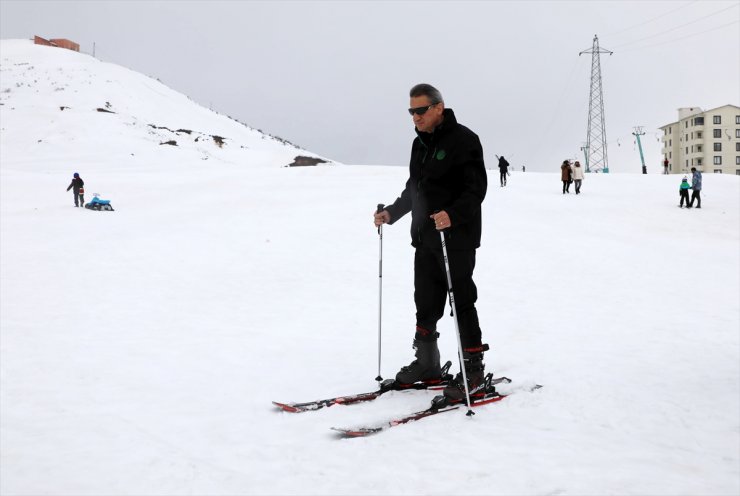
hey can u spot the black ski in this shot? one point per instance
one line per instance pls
(385, 386)
(440, 404)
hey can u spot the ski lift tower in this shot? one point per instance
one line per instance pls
(596, 135)
(639, 132)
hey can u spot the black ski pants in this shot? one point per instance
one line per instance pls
(80, 196)
(503, 177)
(696, 195)
(684, 196)
(431, 292)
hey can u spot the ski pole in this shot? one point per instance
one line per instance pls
(381, 207)
(457, 326)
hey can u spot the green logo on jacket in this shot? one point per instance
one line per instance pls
(441, 155)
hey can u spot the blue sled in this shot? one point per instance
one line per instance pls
(98, 204)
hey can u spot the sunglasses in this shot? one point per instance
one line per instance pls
(420, 110)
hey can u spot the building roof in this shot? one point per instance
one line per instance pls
(699, 112)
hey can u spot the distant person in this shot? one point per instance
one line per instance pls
(503, 167)
(77, 187)
(524, 169)
(683, 190)
(665, 166)
(577, 176)
(695, 188)
(566, 176)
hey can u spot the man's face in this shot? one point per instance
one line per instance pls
(431, 118)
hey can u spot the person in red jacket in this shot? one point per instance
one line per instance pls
(77, 187)
(446, 186)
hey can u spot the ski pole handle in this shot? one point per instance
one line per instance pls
(381, 207)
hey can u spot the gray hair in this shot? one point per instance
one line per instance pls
(428, 91)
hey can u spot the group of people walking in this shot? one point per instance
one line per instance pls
(571, 174)
(695, 186)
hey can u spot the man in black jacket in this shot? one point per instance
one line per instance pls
(503, 167)
(446, 186)
(77, 187)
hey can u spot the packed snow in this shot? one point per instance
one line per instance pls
(141, 348)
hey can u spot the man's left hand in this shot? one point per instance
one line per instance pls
(441, 220)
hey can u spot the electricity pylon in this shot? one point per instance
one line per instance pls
(596, 134)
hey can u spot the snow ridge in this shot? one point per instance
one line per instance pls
(59, 103)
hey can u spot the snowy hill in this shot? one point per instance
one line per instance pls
(59, 105)
(140, 349)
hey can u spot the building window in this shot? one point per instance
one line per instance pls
(717, 133)
(737, 147)
(699, 121)
(718, 171)
(687, 163)
(698, 135)
(737, 119)
(718, 160)
(670, 142)
(737, 160)
(717, 119)
(698, 148)
(686, 124)
(670, 154)
(737, 172)
(687, 150)
(698, 161)
(737, 133)
(718, 147)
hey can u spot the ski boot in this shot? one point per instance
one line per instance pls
(475, 372)
(426, 365)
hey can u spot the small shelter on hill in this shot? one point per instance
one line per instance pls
(57, 42)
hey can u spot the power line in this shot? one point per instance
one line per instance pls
(567, 88)
(681, 38)
(651, 20)
(678, 27)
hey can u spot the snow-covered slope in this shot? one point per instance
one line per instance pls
(140, 349)
(59, 106)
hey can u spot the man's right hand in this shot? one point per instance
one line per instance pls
(382, 217)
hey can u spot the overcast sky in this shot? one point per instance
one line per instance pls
(333, 76)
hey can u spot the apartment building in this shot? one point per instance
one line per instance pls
(706, 139)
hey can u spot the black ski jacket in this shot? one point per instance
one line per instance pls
(76, 183)
(446, 172)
